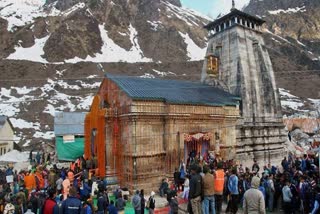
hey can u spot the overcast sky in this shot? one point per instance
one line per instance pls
(213, 7)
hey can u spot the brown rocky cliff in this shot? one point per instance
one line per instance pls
(307, 125)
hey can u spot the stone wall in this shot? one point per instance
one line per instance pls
(245, 70)
(152, 142)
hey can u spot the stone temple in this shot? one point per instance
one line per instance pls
(237, 61)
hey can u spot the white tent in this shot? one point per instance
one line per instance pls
(14, 156)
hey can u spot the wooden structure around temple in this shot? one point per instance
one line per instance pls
(151, 124)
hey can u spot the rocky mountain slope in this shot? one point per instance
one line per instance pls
(53, 54)
(293, 40)
(100, 31)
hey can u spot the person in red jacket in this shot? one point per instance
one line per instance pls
(49, 203)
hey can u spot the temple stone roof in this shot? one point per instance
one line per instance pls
(174, 91)
(234, 13)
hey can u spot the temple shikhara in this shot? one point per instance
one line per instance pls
(139, 130)
(238, 62)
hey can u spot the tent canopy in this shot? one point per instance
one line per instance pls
(69, 151)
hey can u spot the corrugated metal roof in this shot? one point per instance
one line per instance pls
(69, 123)
(174, 91)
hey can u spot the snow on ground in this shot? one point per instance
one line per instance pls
(88, 85)
(45, 135)
(50, 110)
(8, 110)
(24, 90)
(154, 24)
(316, 102)
(162, 73)
(9, 104)
(86, 102)
(276, 40)
(289, 100)
(33, 53)
(65, 85)
(286, 93)
(92, 76)
(268, 31)
(74, 8)
(22, 124)
(289, 10)
(122, 34)
(111, 52)
(60, 73)
(195, 53)
(11, 98)
(68, 102)
(14, 156)
(27, 143)
(147, 75)
(295, 105)
(20, 12)
(300, 43)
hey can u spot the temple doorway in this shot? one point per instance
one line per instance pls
(196, 146)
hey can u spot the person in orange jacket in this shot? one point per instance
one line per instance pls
(30, 182)
(218, 187)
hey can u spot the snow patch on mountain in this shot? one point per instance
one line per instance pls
(76, 7)
(33, 53)
(191, 17)
(50, 110)
(163, 73)
(45, 135)
(65, 85)
(148, 76)
(20, 12)
(87, 85)
(195, 53)
(280, 37)
(24, 90)
(86, 102)
(300, 43)
(316, 102)
(154, 24)
(22, 124)
(9, 104)
(289, 100)
(295, 105)
(111, 52)
(289, 10)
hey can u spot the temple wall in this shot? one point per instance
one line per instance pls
(152, 143)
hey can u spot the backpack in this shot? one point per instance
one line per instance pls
(266, 185)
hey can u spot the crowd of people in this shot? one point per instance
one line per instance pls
(203, 183)
(46, 189)
(292, 187)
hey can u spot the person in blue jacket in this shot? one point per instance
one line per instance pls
(112, 209)
(234, 192)
(72, 205)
